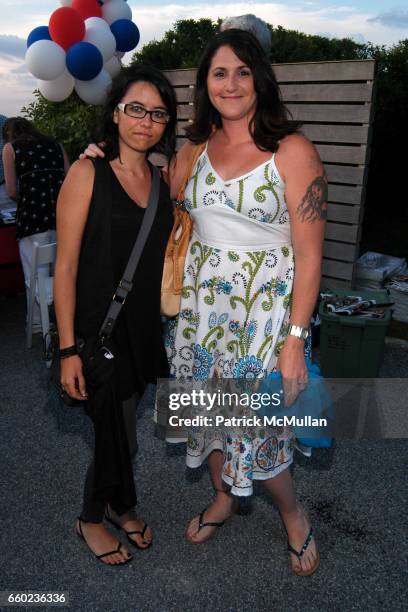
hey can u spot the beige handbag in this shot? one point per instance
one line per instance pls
(177, 246)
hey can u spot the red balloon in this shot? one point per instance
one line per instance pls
(66, 27)
(87, 8)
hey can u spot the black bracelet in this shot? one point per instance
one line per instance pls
(68, 352)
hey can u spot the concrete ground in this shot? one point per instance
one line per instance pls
(356, 494)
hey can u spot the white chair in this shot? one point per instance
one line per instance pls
(41, 287)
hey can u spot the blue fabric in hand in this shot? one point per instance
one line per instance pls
(312, 404)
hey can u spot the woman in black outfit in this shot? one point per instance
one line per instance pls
(34, 168)
(99, 214)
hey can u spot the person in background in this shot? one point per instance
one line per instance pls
(2, 121)
(34, 168)
(5, 201)
(251, 24)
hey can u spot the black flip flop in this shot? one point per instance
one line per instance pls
(100, 557)
(299, 554)
(129, 533)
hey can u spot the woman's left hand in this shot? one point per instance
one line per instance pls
(292, 366)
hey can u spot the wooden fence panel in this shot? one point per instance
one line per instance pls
(339, 250)
(330, 113)
(343, 214)
(352, 175)
(354, 70)
(350, 134)
(326, 92)
(341, 232)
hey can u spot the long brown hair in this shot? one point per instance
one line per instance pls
(22, 130)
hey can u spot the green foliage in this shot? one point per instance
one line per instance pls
(181, 47)
(293, 46)
(392, 91)
(71, 122)
(386, 212)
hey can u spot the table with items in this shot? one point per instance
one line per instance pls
(11, 274)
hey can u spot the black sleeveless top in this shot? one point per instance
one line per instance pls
(40, 173)
(114, 221)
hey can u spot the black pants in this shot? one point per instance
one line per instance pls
(93, 510)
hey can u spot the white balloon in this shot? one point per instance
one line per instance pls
(95, 90)
(113, 66)
(103, 39)
(112, 10)
(45, 60)
(96, 22)
(59, 89)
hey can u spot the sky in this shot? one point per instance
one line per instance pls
(376, 21)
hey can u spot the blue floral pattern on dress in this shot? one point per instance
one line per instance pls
(234, 326)
(277, 287)
(212, 320)
(202, 363)
(251, 328)
(220, 285)
(249, 367)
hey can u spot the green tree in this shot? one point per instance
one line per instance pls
(181, 47)
(72, 122)
(175, 50)
(386, 213)
(294, 46)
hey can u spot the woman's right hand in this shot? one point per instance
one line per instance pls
(93, 151)
(72, 378)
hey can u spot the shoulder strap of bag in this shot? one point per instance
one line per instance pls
(125, 284)
(195, 154)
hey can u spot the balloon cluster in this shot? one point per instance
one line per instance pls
(81, 48)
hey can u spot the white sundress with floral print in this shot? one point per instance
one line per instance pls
(235, 305)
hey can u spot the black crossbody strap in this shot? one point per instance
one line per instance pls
(125, 284)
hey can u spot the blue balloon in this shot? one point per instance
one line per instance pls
(84, 61)
(40, 33)
(126, 33)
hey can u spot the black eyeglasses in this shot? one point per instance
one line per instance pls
(132, 109)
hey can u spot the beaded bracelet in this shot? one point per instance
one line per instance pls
(68, 352)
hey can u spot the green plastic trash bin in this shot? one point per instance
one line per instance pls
(353, 347)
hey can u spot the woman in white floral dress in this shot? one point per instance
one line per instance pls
(235, 303)
(258, 199)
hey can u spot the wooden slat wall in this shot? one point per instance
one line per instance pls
(334, 102)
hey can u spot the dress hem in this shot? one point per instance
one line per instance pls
(249, 491)
(195, 462)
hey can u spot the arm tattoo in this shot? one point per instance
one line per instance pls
(313, 206)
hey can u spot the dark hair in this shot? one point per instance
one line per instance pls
(270, 122)
(21, 129)
(127, 77)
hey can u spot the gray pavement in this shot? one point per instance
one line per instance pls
(356, 494)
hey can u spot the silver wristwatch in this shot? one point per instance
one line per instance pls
(299, 332)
